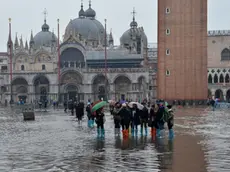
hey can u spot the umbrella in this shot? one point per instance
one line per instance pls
(111, 102)
(139, 106)
(99, 105)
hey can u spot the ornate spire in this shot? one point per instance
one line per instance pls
(110, 36)
(53, 37)
(45, 15)
(31, 40)
(26, 46)
(21, 43)
(81, 12)
(16, 44)
(133, 24)
(90, 12)
(45, 26)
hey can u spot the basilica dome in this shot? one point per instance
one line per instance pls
(134, 31)
(126, 36)
(86, 25)
(44, 37)
(101, 29)
(90, 12)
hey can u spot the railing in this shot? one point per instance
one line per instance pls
(112, 70)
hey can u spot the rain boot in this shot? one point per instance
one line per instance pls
(141, 131)
(102, 133)
(123, 133)
(146, 131)
(132, 132)
(126, 133)
(171, 134)
(153, 132)
(98, 132)
(92, 123)
(158, 133)
(89, 123)
(118, 131)
(136, 131)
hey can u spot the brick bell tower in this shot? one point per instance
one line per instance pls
(182, 50)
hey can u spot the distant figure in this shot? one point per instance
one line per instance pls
(71, 106)
(54, 104)
(65, 106)
(89, 114)
(21, 102)
(45, 104)
(57, 103)
(40, 104)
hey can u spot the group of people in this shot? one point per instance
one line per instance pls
(129, 117)
(97, 116)
(78, 107)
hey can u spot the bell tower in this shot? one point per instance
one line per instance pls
(182, 50)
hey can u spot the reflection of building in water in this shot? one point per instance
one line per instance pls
(219, 64)
(82, 61)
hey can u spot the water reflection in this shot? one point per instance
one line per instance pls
(55, 142)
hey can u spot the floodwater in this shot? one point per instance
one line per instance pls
(56, 142)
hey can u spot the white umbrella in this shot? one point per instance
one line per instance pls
(139, 106)
(111, 101)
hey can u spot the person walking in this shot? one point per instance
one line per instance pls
(100, 120)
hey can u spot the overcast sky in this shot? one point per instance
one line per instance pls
(28, 15)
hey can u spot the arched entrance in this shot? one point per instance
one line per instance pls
(228, 96)
(19, 89)
(71, 82)
(41, 87)
(219, 94)
(142, 88)
(71, 92)
(122, 87)
(100, 87)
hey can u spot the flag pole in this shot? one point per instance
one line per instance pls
(106, 81)
(10, 54)
(59, 62)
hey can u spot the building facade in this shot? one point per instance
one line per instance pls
(182, 50)
(83, 74)
(219, 64)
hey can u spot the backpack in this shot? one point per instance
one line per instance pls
(165, 115)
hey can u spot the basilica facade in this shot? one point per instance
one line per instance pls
(83, 75)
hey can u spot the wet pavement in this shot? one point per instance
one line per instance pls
(56, 142)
